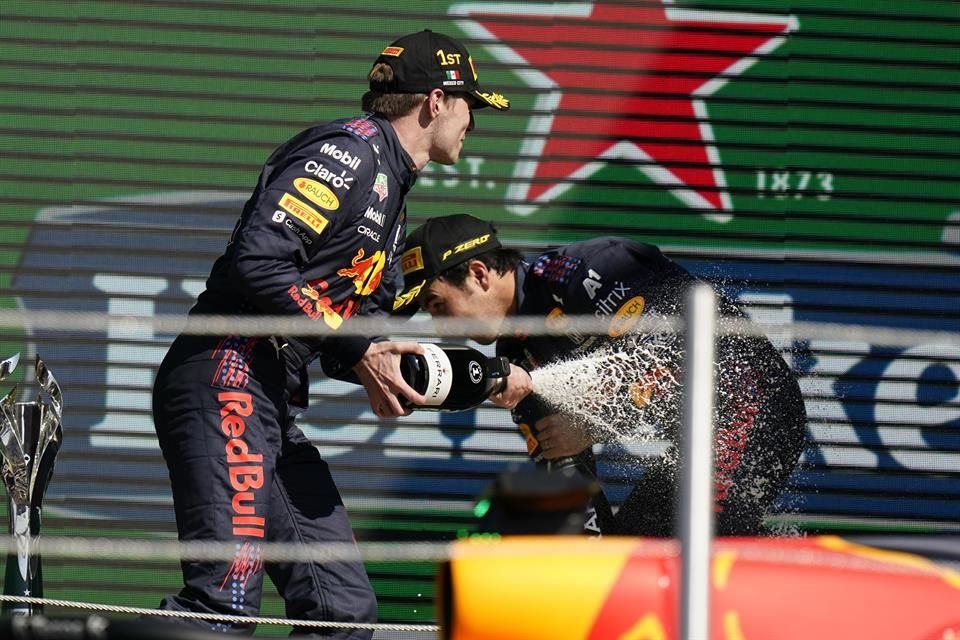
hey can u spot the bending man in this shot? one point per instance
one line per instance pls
(455, 266)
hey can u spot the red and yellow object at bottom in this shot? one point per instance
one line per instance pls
(571, 587)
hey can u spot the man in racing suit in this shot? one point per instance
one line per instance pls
(760, 420)
(319, 237)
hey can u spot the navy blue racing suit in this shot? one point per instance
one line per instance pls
(319, 237)
(760, 419)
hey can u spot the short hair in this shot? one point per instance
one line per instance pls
(501, 260)
(391, 105)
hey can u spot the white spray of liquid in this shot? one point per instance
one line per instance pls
(629, 390)
(626, 389)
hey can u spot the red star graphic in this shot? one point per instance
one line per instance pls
(621, 82)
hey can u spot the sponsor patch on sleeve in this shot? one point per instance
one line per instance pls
(556, 268)
(303, 212)
(626, 317)
(362, 127)
(380, 187)
(411, 260)
(317, 193)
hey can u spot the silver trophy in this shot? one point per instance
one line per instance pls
(30, 437)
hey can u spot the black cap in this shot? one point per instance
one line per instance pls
(434, 247)
(427, 60)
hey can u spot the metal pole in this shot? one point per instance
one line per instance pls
(696, 508)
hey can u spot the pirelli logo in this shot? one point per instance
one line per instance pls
(303, 212)
(392, 51)
(411, 260)
(626, 317)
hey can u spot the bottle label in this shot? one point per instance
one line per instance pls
(439, 375)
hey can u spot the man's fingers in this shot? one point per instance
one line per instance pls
(406, 347)
(394, 407)
(402, 388)
(390, 407)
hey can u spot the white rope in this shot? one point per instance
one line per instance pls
(216, 617)
(424, 327)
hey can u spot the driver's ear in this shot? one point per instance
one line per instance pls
(434, 102)
(479, 272)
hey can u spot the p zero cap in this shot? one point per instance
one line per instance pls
(434, 247)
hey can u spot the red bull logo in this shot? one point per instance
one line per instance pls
(316, 307)
(245, 469)
(366, 273)
(732, 441)
(642, 391)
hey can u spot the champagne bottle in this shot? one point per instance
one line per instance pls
(453, 377)
(526, 414)
(598, 518)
